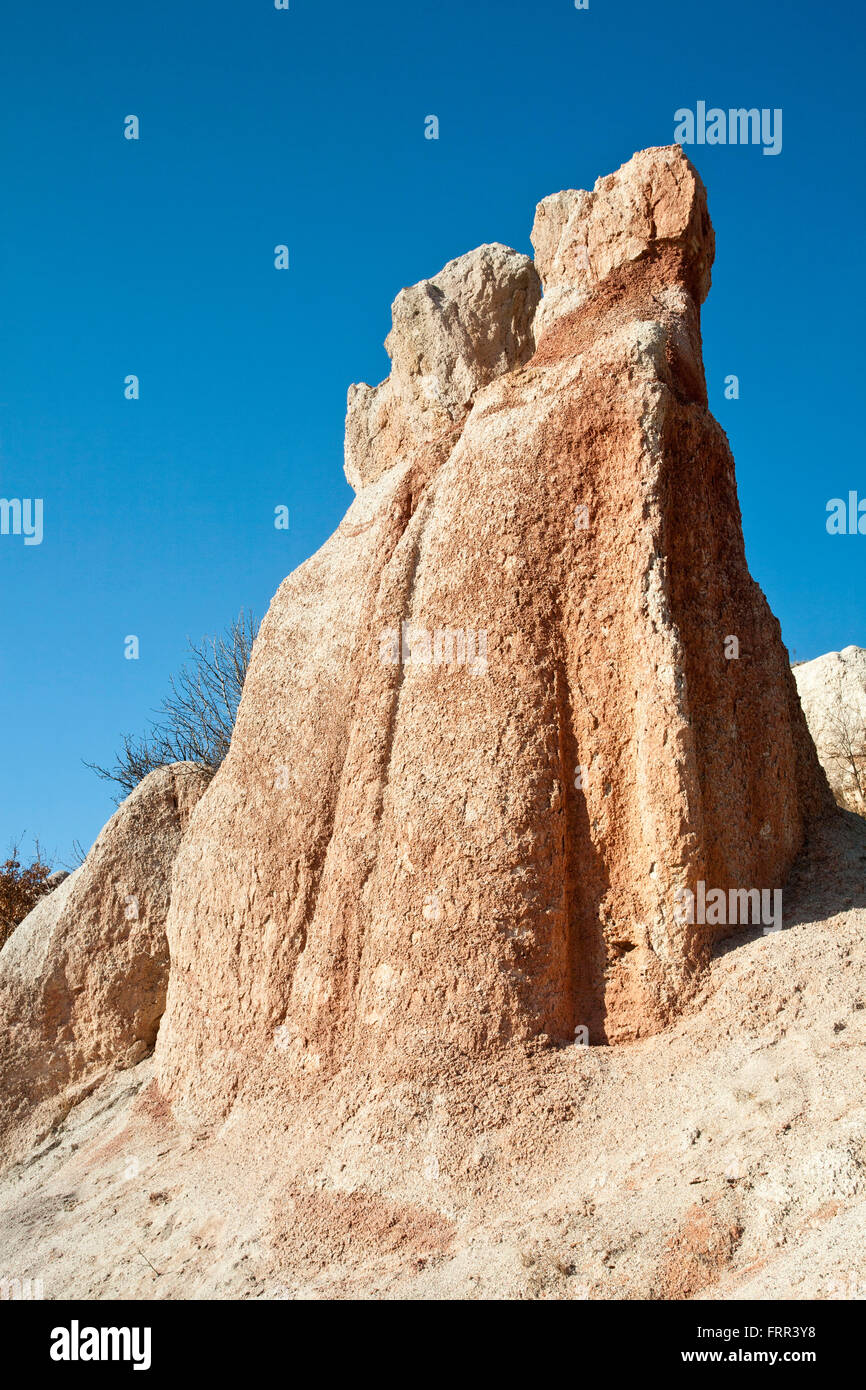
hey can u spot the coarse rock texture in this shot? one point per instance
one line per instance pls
(449, 337)
(723, 1158)
(83, 977)
(488, 732)
(832, 691)
(653, 207)
(524, 697)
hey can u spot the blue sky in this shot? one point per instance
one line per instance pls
(306, 127)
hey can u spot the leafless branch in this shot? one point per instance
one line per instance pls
(196, 719)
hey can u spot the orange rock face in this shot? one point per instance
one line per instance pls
(525, 696)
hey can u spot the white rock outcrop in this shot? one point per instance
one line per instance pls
(832, 691)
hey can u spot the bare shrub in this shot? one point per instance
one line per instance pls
(196, 719)
(844, 740)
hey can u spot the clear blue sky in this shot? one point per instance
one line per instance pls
(306, 127)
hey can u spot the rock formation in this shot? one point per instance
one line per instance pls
(832, 691)
(450, 337)
(83, 977)
(524, 697)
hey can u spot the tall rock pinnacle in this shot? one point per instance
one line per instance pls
(523, 700)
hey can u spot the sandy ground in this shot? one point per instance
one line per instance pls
(725, 1158)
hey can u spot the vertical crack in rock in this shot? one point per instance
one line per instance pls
(345, 953)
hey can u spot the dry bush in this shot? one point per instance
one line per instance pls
(844, 737)
(20, 890)
(196, 719)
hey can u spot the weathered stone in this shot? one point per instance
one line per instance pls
(654, 206)
(83, 977)
(423, 849)
(449, 337)
(832, 691)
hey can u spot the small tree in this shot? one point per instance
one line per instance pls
(196, 719)
(844, 739)
(20, 890)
